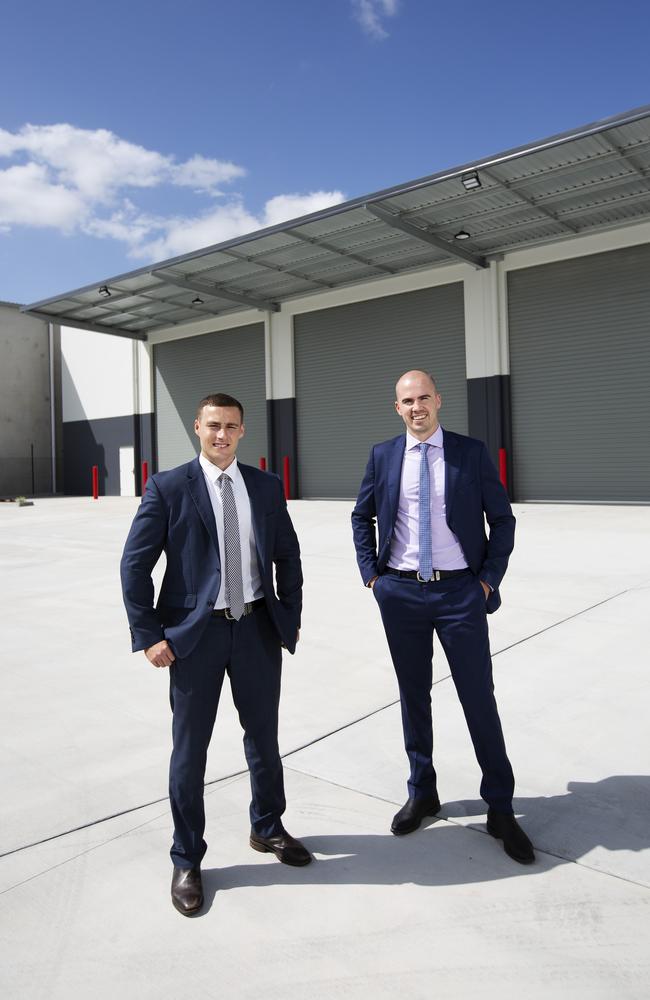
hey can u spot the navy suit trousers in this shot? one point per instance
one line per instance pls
(455, 608)
(249, 651)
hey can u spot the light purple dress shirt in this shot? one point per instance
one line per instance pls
(404, 549)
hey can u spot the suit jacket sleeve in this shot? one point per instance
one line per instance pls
(144, 545)
(501, 521)
(286, 557)
(363, 524)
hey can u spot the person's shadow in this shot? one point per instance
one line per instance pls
(613, 814)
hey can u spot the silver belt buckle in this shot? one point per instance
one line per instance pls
(228, 615)
(436, 577)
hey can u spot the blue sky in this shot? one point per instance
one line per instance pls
(132, 131)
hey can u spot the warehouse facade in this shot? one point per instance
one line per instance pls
(522, 282)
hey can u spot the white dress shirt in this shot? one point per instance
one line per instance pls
(405, 546)
(250, 568)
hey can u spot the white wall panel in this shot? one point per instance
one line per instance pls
(96, 375)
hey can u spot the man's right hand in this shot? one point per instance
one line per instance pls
(371, 583)
(160, 655)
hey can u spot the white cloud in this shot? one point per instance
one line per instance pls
(28, 197)
(67, 174)
(203, 175)
(94, 163)
(171, 237)
(126, 224)
(292, 206)
(371, 15)
(76, 180)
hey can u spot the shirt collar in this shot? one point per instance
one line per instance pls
(213, 472)
(435, 439)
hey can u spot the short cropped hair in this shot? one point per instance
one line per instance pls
(219, 399)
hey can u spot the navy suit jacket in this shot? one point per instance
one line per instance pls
(176, 517)
(472, 489)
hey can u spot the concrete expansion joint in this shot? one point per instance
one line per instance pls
(318, 739)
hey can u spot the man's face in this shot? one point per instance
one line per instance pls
(418, 403)
(219, 429)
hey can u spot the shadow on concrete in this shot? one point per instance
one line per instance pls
(437, 855)
(612, 814)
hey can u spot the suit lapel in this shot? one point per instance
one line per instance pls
(453, 461)
(199, 493)
(258, 514)
(395, 461)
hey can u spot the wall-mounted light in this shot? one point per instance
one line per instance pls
(471, 180)
(105, 292)
(462, 234)
(198, 301)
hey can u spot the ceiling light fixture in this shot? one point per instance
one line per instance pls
(198, 301)
(462, 235)
(105, 292)
(471, 180)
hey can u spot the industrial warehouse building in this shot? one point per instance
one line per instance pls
(522, 281)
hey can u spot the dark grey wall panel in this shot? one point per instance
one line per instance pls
(96, 442)
(231, 361)
(281, 421)
(145, 446)
(580, 375)
(347, 362)
(488, 401)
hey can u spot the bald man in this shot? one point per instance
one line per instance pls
(434, 568)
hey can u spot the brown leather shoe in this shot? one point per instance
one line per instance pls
(286, 848)
(187, 890)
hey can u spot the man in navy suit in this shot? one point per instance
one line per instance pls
(223, 527)
(433, 567)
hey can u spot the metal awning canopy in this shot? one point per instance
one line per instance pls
(582, 181)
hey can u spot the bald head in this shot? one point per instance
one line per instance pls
(415, 374)
(417, 402)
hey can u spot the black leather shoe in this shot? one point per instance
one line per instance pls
(515, 842)
(187, 890)
(286, 848)
(413, 812)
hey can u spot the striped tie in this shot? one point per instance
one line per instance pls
(232, 544)
(425, 557)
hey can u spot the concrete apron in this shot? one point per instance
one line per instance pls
(85, 733)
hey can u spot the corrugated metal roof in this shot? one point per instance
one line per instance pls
(591, 178)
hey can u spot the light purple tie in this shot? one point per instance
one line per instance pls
(425, 557)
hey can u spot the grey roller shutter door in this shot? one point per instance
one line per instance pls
(231, 361)
(580, 378)
(347, 361)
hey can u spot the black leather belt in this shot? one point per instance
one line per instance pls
(436, 574)
(225, 612)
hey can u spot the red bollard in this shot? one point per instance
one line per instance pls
(287, 477)
(145, 474)
(95, 481)
(263, 464)
(503, 467)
